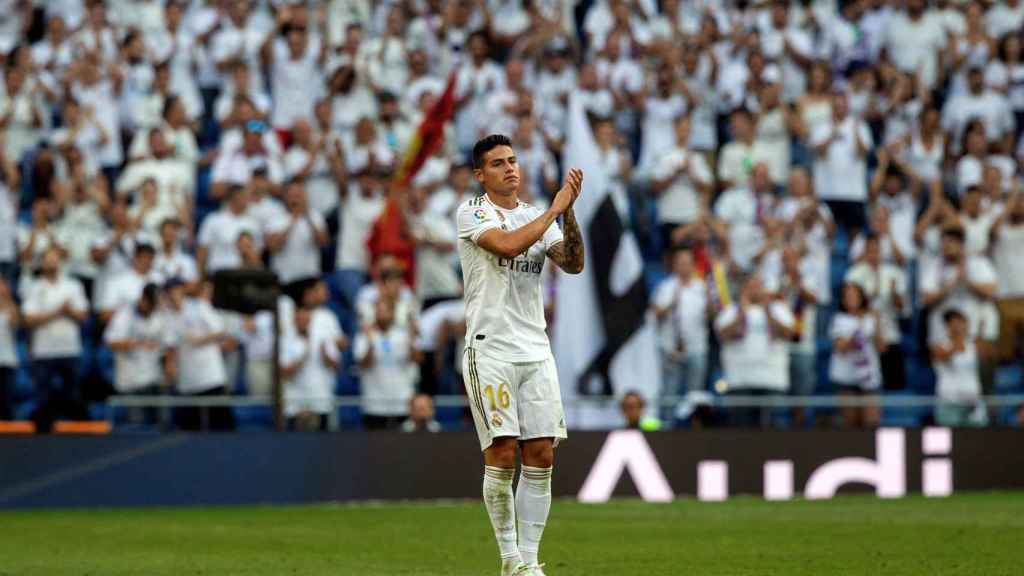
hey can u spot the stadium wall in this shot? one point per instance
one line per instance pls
(252, 468)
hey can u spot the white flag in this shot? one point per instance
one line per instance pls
(604, 338)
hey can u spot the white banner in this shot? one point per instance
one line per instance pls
(604, 338)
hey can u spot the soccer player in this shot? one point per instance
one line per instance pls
(510, 373)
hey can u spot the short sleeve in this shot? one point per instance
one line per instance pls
(473, 221)
(663, 293)
(552, 236)
(727, 317)
(361, 346)
(840, 327)
(119, 327)
(664, 167)
(700, 169)
(981, 271)
(206, 232)
(821, 134)
(213, 319)
(782, 314)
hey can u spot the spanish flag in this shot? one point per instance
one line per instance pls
(389, 234)
(429, 136)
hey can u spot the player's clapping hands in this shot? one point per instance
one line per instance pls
(570, 191)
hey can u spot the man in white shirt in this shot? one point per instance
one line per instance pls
(915, 40)
(196, 331)
(238, 164)
(840, 165)
(739, 156)
(170, 260)
(388, 360)
(139, 338)
(682, 307)
(53, 309)
(218, 234)
(503, 246)
(682, 182)
(745, 210)
(294, 238)
(125, 289)
(175, 177)
(980, 103)
(295, 63)
(956, 281)
(755, 356)
(361, 204)
(308, 367)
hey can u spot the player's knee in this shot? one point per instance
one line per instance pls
(539, 453)
(501, 453)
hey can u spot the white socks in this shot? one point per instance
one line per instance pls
(501, 507)
(533, 499)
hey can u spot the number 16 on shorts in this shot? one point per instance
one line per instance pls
(491, 399)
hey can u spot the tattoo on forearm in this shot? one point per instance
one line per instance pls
(572, 244)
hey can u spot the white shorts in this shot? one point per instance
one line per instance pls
(517, 399)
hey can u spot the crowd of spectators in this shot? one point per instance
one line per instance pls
(825, 193)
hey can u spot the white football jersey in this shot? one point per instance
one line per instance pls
(504, 297)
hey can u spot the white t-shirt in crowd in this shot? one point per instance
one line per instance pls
(504, 296)
(295, 82)
(842, 174)
(680, 203)
(387, 386)
(758, 359)
(311, 389)
(125, 289)
(139, 367)
(59, 338)
(878, 285)
(219, 233)
(957, 379)
(913, 46)
(435, 268)
(991, 107)
(200, 368)
(688, 318)
(355, 219)
(740, 209)
(299, 256)
(981, 316)
(177, 264)
(860, 366)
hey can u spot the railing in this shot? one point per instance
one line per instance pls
(164, 404)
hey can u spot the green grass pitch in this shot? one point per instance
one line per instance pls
(978, 534)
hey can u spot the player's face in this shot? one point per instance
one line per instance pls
(500, 171)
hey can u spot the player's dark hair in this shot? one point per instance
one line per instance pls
(485, 145)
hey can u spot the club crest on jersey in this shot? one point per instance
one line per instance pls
(480, 214)
(501, 217)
